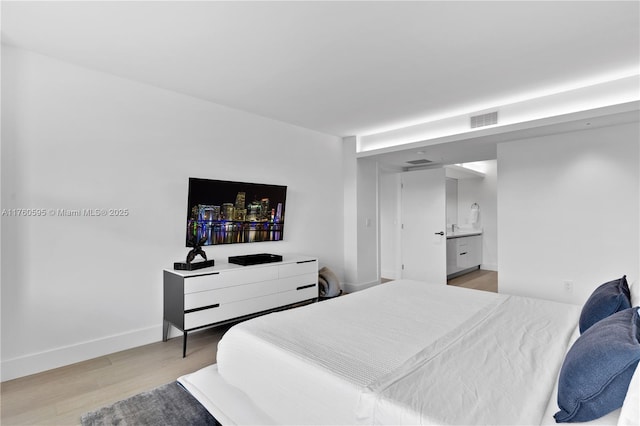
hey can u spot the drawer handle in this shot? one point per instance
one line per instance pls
(203, 275)
(305, 286)
(202, 308)
(464, 252)
(305, 261)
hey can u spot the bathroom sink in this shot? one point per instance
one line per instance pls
(463, 232)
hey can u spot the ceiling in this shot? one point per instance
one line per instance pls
(482, 145)
(337, 67)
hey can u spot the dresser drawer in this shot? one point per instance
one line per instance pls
(300, 268)
(306, 292)
(247, 291)
(246, 307)
(228, 279)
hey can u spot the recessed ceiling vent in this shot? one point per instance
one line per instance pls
(484, 119)
(419, 162)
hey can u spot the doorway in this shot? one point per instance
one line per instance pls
(423, 247)
(481, 190)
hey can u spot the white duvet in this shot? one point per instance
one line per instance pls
(403, 352)
(499, 367)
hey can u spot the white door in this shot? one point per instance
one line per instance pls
(424, 241)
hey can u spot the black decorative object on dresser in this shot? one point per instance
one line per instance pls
(230, 292)
(193, 266)
(190, 265)
(255, 259)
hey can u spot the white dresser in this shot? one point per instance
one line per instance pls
(229, 292)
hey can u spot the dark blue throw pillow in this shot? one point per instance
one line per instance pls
(597, 370)
(607, 299)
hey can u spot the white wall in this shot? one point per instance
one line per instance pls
(350, 222)
(367, 225)
(568, 210)
(389, 202)
(361, 219)
(79, 287)
(482, 191)
(451, 188)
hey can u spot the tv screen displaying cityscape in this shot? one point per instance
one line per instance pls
(226, 212)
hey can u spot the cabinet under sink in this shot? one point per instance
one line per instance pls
(464, 254)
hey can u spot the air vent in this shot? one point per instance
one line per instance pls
(419, 162)
(484, 119)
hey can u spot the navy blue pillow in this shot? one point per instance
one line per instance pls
(609, 298)
(597, 370)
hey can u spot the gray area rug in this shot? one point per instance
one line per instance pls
(168, 405)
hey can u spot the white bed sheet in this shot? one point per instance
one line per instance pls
(500, 367)
(339, 346)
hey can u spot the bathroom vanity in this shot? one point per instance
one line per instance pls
(464, 251)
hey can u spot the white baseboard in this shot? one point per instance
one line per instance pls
(489, 267)
(59, 357)
(389, 273)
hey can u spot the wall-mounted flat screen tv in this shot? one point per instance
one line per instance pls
(226, 212)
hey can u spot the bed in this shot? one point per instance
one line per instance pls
(406, 352)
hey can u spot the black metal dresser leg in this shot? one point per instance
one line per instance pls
(184, 345)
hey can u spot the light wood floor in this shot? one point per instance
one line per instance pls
(61, 396)
(479, 280)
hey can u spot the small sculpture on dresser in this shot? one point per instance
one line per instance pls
(197, 249)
